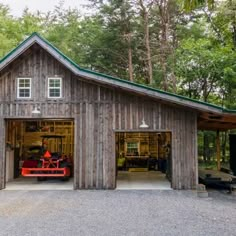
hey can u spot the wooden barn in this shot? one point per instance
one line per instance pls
(109, 124)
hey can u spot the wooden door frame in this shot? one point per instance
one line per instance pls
(3, 125)
(115, 131)
(3, 153)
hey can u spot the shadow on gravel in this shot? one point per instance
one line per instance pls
(221, 194)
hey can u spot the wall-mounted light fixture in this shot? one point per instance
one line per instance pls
(36, 110)
(143, 125)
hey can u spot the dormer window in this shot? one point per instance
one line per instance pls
(54, 87)
(24, 88)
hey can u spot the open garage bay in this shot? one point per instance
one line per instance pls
(142, 180)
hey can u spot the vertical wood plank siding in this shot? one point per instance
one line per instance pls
(2, 153)
(97, 112)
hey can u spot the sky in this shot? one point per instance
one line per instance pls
(17, 6)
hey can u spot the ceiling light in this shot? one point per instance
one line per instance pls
(143, 125)
(36, 110)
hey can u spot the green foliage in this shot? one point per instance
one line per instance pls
(201, 69)
(8, 25)
(189, 5)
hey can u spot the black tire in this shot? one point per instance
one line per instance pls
(39, 164)
(41, 178)
(63, 164)
(65, 178)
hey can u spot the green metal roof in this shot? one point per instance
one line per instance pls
(183, 98)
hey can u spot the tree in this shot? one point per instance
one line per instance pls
(30, 23)
(145, 14)
(167, 42)
(8, 30)
(116, 42)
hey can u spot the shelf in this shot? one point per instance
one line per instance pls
(65, 128)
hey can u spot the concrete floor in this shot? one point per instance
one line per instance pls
(142, 180)
(125, 180)
(22, 183)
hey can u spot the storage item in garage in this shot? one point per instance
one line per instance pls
(50, 165)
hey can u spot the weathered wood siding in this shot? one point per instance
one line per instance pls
(2, 154)
(119, 111)
(97, 111)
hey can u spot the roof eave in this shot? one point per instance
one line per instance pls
(108, 80)
(150, 93)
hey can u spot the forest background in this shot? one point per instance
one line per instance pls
(183, 47)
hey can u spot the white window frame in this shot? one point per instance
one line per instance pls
(132, 145)
(18, 88)
(60, 88)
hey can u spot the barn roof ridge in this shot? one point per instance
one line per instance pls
(180, 98)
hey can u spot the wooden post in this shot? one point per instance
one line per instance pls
(2, 154)
(218, 149)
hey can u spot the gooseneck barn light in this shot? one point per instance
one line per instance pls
(36, 110)
(143, 125)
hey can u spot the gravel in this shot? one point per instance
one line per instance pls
(116, 213)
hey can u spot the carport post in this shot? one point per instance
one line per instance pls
(218, 149)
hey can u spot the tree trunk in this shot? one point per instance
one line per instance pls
(234, 35)
(174, 82)
(127, 36)
(131, 74)
(205, 147)
(204, 88)
(173, 47)
(164, 46)
(147, 41)
(223, 147)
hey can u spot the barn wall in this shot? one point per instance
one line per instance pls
(98, 111)
(2, 153)
(117, 110)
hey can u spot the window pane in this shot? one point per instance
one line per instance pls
(132, 145)
(132, 148)
(51, 83)
(27, 83)
(24, 87)
(25, 93)
(54, 87)
(24, 83)
(21, 83)
(57, 83)
(54, 92)
(54, 83)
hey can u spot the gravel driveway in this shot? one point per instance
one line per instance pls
(116, 213)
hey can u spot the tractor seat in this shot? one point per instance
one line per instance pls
(56, 155)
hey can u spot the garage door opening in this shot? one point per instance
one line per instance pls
(143, 160)
(39, 154)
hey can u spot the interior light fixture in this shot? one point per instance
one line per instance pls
(36, 110)
(143, 125)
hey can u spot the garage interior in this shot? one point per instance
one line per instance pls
(143, 160)
(25, 140)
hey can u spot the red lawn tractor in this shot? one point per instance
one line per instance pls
(50, 164)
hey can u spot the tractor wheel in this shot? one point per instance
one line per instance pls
(41, 178)
(64, 165)
(65, 178)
